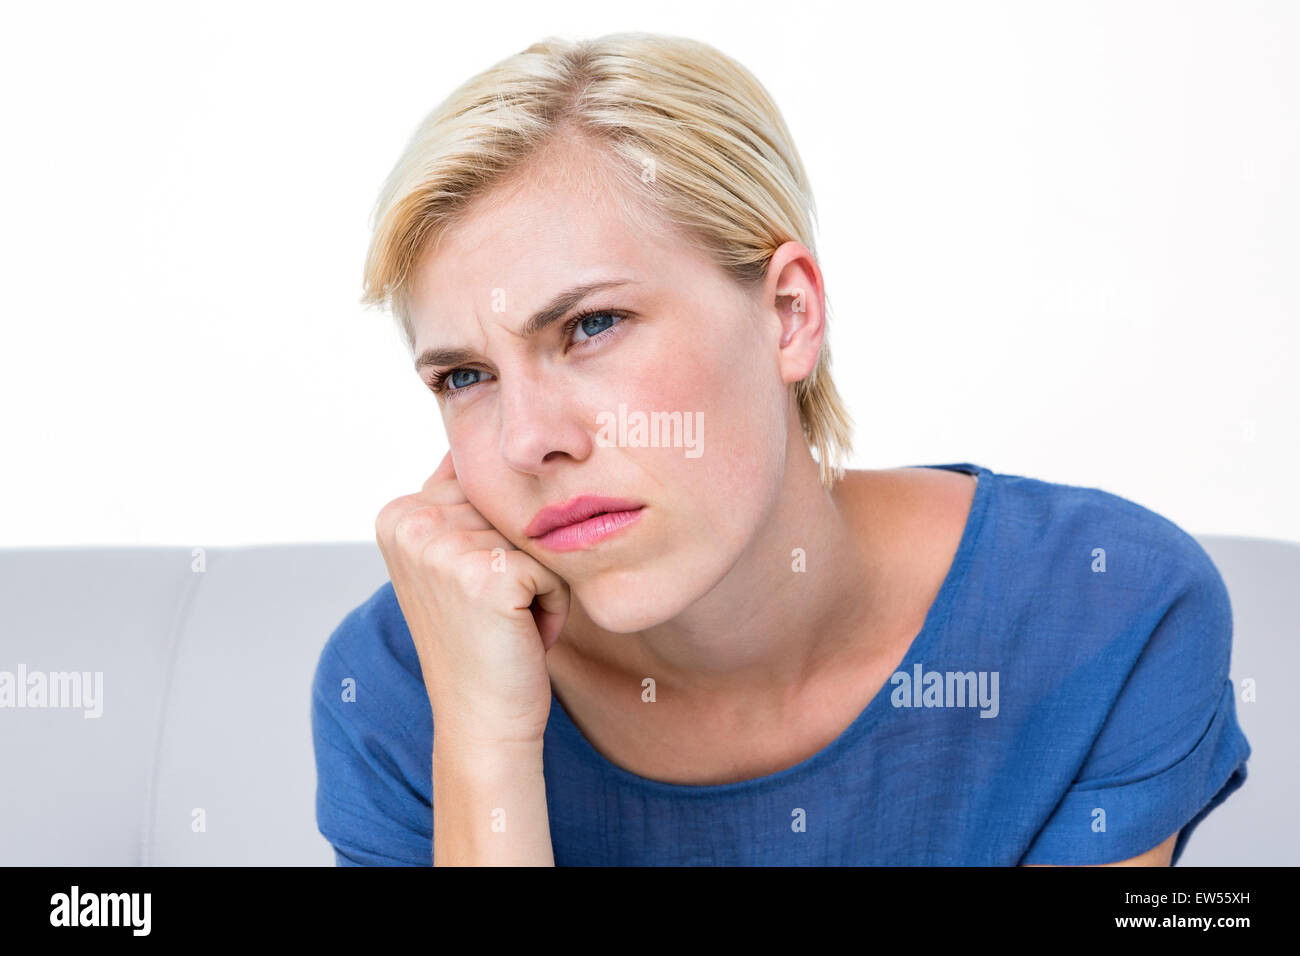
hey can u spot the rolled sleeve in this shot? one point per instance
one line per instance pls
(1144, 813)
(1170, 750)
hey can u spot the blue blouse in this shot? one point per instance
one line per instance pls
(1066, 701)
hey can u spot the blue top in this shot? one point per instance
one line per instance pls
(1067, 701)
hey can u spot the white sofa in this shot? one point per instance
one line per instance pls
(206, 703)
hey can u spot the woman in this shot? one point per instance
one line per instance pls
(641, 614)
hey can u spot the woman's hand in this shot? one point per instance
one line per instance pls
(481, 612)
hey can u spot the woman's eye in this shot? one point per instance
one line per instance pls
(592, 325)
(462, 378)
(581, 329)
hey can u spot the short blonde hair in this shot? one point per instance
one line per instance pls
(694, 131)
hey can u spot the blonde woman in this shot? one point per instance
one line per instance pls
(640, 613)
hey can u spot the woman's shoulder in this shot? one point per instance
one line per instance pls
(1073, 559)
(1060, 519)
(1028, 535)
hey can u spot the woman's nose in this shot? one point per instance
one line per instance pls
(540, 424)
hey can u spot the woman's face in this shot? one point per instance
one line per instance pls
(533, 420)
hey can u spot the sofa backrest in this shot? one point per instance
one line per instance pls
(207, 663)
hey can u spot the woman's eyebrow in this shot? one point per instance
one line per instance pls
(552, 312)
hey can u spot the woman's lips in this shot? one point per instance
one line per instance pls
(575, 510)
(584, 534)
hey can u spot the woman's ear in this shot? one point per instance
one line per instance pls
(793, 291)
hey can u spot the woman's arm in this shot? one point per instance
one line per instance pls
(489, 805)
(482, 615)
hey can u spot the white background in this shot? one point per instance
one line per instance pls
(1060, 240)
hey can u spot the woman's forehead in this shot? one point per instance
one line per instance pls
(517, 255)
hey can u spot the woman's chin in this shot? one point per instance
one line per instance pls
(641, 596)
(626, 607)
(623, 619)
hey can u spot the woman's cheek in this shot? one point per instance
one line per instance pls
(726, 436)
(476, 464)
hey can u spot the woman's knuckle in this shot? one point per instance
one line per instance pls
(517, 561)
(387, 517)
(435, 554)
(416, 527)
(472, 577)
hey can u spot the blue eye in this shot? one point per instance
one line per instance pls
(456, 380)
(579, 329)
(593, 324)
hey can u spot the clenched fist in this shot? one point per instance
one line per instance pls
(481, 612)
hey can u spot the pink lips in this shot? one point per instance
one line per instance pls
(582, 522)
